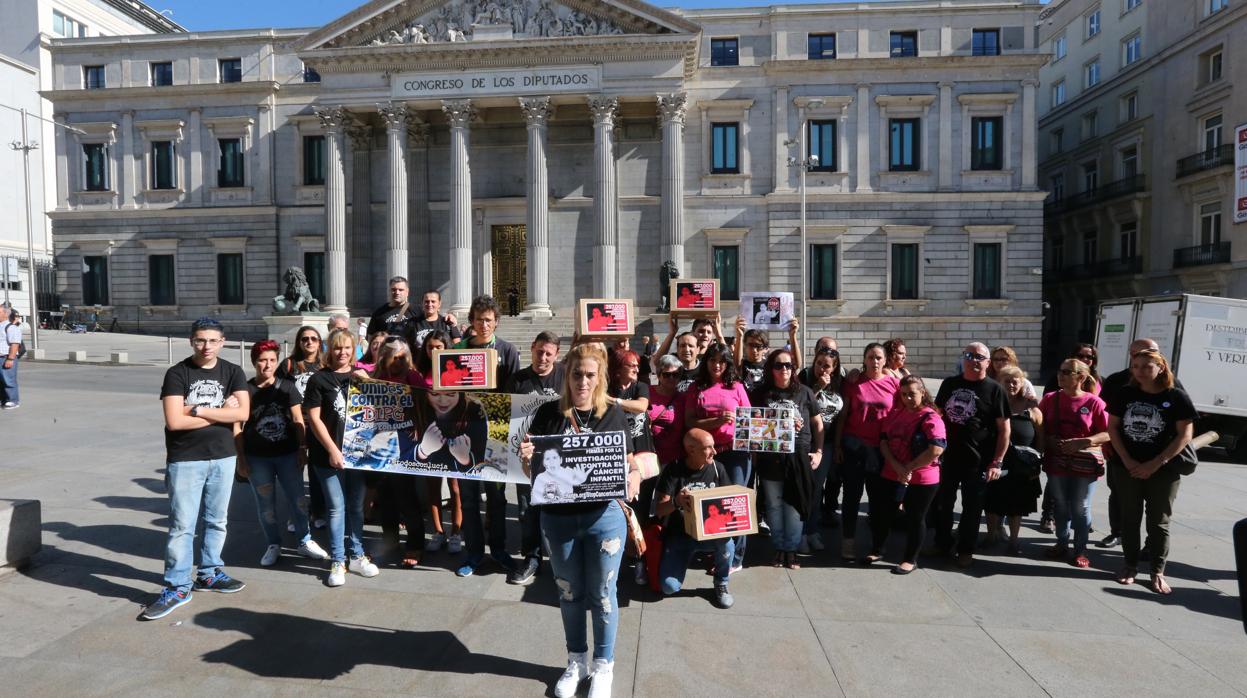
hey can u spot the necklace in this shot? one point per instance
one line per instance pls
(581, 423)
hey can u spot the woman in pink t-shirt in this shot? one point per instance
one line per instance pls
(913, 437)
(1075, 426)
(867, 400)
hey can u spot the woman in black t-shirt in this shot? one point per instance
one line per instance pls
(299, 367)
(1149, 422)
(325, 404)
(586, 539)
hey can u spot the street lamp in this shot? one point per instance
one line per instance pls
(805, 162)
(25, 146)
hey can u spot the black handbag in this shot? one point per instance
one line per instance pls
(1186, 460)
(1023, 461)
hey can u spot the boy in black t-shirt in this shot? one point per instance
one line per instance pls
(697, 470)
(431, 321)
(203, 396)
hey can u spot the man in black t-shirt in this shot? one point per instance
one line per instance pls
(976, 415)
(697, 470)
(203, 396)
(432, 320)
(396, 316)
(544, 376)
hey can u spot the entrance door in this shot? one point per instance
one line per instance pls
(509, 249)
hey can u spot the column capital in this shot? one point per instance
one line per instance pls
(332, 119)
(537, 110)
(360, 134)
(394, 114)
(671, 107)
(603, 109)
(863, 86)
(1030, 82)
(459, 112)
(946, 84)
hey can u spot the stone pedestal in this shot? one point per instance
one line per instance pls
(283, 328)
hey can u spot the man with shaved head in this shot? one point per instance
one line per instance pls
(697, 470)
(976, 415)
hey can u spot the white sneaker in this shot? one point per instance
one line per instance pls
(435, 543)
(454, 544)
(577, 671)
(271, 554)
(603, 675)
(337, 575)
(816, 542)
(642, 578)
(313, 550)
(363, 567)
(290, 526)
(319, 524)
(803, 548)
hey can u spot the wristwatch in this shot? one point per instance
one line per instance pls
(995, 464)
(194, 410)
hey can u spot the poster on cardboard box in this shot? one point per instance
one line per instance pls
(464, 369)
(575, 468)
(693, 296)
(765, 430)
(722, 512)
(766, 310)
(604, 317)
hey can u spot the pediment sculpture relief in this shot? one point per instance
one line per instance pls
(453, 22)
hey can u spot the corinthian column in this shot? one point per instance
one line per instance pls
(537, 113)
(459, 114)
(395, 116)
(332, 120)
(671, 113)
(605, 195)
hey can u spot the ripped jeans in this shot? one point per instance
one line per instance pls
(585, 551)
(266, 473)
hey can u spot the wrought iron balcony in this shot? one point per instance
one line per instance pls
(1206, 160)
(1112, 190)
(1199, 255)
(1103, 268)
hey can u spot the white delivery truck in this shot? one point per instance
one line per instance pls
(1205, 340)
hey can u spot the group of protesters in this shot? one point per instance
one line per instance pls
(865, 428)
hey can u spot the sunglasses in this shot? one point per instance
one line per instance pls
(669, 374)
(781, 366)
(1085, 358)
(974, 357)
(309, 338)
(755, 346)
(829, 352)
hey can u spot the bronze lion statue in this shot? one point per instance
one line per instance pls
(298, 295)
(669, 271)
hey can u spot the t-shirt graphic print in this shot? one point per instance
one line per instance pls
(961, 406)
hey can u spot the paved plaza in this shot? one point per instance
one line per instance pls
(87, 443)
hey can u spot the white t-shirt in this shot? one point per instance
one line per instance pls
(9, 334)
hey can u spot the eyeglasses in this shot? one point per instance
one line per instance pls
(755, 346)
(310, 338)
(781, 366)
(206, 342)
(974, 357)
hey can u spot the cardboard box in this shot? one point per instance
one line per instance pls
(722, 512)
(694, 297)
(465, 369)
(606, 317)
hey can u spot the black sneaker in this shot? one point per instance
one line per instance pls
(722, 598)
(163, 606)
(525, 573)
(219, 582)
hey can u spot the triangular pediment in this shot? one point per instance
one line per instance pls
(384, 23)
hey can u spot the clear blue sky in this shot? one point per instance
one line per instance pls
(197, 15)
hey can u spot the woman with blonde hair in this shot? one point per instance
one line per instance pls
(585, 539)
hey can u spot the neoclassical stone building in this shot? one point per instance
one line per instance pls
(566, 149)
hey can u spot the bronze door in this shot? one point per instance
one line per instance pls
(509, 247)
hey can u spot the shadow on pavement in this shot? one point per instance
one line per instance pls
(1200, 600)
(286, 646)
(88, 573)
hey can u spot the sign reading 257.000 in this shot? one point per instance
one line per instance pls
(523, 81)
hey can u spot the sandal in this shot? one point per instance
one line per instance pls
(778, 561)
(793, 563)
(1126, 575)
(871, 559)
(410, 561)
(1160, 586)
(1082, 561)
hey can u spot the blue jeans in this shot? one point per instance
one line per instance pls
(190, 484)
(474, 527)
(266, 473)
(8, 382)
(1071, 499)
(678, 551)
(344, 499)
(815, 519)
(781, 517)
(585, 552)
(739, 467)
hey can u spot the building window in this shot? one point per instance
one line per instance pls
(1210, 224)
(65, 26)
(724, 52)
(822, 145)
(985, 42)
(1091, 74)
(1058, 93)
(1215, 6)
(1132, 4)
(230, 172)
(310, 74)
(727, 271)
(1090, 176)
(987, 148)
(1059, 48)
(1090, 125)
(1211, 66)
(1128, 240)
(95, 167)
(1057, 184)
(313, 161)
(1130, 107)
(314, 267)
(161, 285)
(1093, 23)
(1090, 246)
(823, 272)
(1087, 325)
(904, 142)
(904, 271)
(1131, 49)
(820, 46)
(725, 148)
(162, 74)
(904, 44)
(95, 280)
(93, 77)
(1057, 140)
(987, 270)
(229, 278)
(1058, 253)
(1129, 164)
(164, 167)
(1212, 132)
(231, 69)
